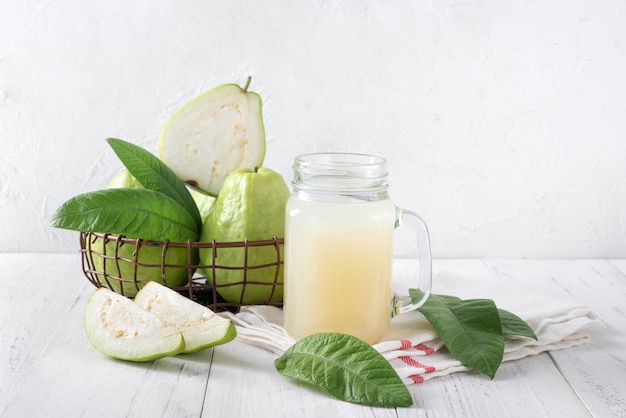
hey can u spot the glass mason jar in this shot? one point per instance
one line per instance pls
(338, 248)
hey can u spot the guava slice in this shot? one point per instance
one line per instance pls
(213, 135)
(119, 328)
(201, 327)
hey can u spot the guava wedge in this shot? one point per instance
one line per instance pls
(251, 205)
(119, 328)
(200, 326)
(213, 135)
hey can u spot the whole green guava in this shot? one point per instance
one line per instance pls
(148, 264)
(251, 204)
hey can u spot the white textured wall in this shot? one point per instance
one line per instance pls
(504, 122)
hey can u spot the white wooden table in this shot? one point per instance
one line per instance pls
(48, 368)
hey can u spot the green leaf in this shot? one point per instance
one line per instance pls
(470, 329)
(135, 213)
(153, 174)
(514, 325)
(511, 323)
(345, 367)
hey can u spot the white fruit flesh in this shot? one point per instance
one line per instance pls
(212, 135)
(119, 328)
(200, 326)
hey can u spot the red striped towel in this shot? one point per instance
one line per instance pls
(412, 345)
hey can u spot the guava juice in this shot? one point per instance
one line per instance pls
(338, 266)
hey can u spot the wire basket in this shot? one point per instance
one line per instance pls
(231, 280)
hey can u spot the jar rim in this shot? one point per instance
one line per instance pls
(343, 158)
(340, 172)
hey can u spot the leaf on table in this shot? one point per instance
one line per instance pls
(345, 367)
(511, 323)
(470, 329)
(514, 325)
(136, 213)
(154, 174)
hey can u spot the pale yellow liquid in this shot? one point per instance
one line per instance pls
(338, 262)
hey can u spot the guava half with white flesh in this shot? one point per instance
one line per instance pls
(213, 135)
(119, 328)
(201, 327)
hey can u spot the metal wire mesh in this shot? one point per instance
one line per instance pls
(229, 278)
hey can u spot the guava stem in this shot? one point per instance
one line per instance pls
(245, 88)
(256, 168)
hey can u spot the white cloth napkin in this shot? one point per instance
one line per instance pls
(412, 345)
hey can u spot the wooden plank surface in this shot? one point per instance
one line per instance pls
(596, 371)
(526, 387)
(47, 366)
(54, 371)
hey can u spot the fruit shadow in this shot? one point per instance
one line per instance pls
(200, 362)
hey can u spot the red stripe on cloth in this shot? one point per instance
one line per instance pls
(416, 378)
(411, 362)
(426, 349)
(404, 344)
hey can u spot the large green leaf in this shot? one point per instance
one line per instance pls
(470, 329)
(153, 174)
(135, 213)
(345, 367)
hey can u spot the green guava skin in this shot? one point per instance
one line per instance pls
(204, 203)
(148, 254)
(149, 270)
(251, 204)
(123, 179)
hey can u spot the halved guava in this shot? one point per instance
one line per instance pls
(201, 327)
(213, 135)
(119, 328)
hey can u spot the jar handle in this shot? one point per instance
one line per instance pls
(417, 224)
